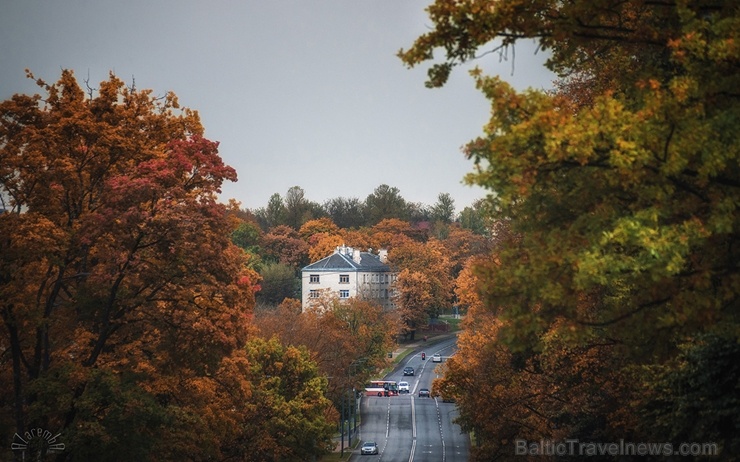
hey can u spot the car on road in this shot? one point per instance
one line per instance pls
(424, 393)
(408, 370)
(436, 358)
(369, 447)
(403, 387)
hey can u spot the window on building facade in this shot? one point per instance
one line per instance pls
(344, 278)
(313, 294)
(344, 294)
(314, 279)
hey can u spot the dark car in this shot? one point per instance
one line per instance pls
(369, 447)
(424, 393)
(408, 370)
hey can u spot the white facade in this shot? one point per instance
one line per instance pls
(349, 273)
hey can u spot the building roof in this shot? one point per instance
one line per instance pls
(344, 259)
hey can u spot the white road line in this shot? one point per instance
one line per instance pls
(388, 420)
(413, 430)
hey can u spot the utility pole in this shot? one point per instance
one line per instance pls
(341, 425)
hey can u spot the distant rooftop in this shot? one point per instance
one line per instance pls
(348, 259)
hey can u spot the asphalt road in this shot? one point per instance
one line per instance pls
(412, 429)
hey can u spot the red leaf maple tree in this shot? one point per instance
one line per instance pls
(124, 303)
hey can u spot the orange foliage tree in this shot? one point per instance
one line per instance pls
(124, 303)
(424, 286)
(322, 236)
(557, 392)
(347, 339)
(284, 245)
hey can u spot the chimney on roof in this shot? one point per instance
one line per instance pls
(383, 255)
(356, 256)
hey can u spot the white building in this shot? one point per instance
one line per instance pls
(350, 273)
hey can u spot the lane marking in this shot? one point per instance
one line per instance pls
(413, 430)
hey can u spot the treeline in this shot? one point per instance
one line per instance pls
(293, 232)
(427, 257)
(384, 202)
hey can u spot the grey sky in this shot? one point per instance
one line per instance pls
(302, 93)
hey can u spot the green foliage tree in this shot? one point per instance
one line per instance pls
(474, 218)
(274, 214)
(697, 400)
(278, 282)
(383, 203)
(298, 209)
(295, 418)
(247, 236)
(444, 209)
(621, 188)
(346, 212)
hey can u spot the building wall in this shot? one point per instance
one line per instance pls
(374, 286)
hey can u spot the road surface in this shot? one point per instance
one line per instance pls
(408, 428)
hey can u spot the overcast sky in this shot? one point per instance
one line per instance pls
(304, 93)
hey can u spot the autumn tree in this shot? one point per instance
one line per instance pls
(283, 244)
(122, 296)
(414, 300)
(319, 225)
(621, 185)
(323, 245)
(557, 392)
(347, 339)
(391, 232)
(461, 245)
(360, 238)
(322, 236)
(467, 294)
(424, 285)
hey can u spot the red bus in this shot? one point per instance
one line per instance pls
(382, 388)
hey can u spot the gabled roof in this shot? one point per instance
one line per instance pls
(341, 261)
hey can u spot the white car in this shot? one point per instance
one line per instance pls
(403, 387)
(369, 447)
(436, 358)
